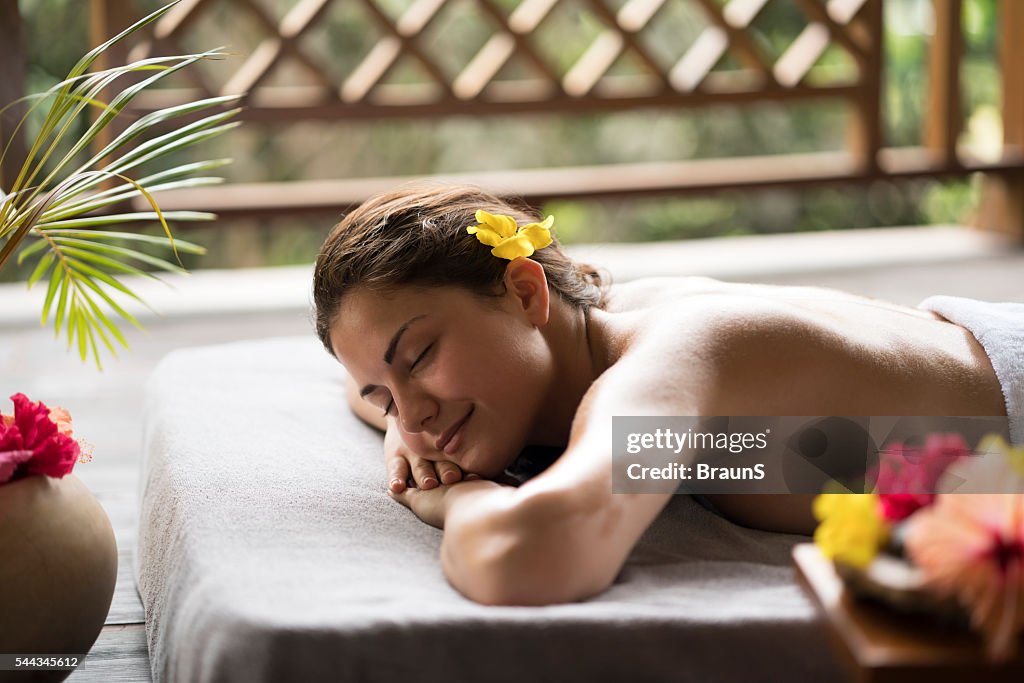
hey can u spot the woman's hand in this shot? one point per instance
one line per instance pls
(432, 505)
(402, 464)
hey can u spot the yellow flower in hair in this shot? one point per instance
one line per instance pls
(509, 240)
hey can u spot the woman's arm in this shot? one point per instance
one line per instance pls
(541, 545)
(562, 536)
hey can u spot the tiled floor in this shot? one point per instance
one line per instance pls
(107, 406)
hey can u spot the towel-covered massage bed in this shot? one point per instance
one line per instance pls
(268, 550)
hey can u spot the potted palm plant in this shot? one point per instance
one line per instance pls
(59, 561)
(56, 204)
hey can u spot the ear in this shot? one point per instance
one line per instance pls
(525, 281)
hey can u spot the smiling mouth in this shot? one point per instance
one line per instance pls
(446, 439)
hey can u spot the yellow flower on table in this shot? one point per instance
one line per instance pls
(509, 240)
(851, 530)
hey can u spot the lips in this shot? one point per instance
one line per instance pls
(447, 436)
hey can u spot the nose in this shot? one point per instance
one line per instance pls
(416, 410)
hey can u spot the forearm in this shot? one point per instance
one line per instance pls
(509, 546)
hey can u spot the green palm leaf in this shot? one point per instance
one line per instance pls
(58, 199)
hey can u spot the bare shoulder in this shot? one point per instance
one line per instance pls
(682, 359)
(678, 361)
(795, 351)
(681, 354)
(707, 355)
(655, 291)
(710, 348)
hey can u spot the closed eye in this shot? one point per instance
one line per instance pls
(421, 356)
(391, 403)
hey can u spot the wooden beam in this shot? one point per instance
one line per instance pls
(521, 23)
(866, 137)
(1011, 52)
(1001, 207)
(107, 18)
(486, 63)
(604, 181)
(628, 33)
(581, 78)
(274, 105)
(801, 55)
(696, 63)
(738, 37)
(408, 28)
(944, 118)
(12, 86)
(819, 13)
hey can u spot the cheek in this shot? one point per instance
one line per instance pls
(517, 380)
(478, 372)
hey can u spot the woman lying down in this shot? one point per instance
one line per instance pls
(469, 335)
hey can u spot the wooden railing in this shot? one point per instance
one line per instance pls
(482, 86)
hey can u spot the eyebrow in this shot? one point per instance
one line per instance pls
(389, 354)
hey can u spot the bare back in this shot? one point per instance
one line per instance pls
(804, 351)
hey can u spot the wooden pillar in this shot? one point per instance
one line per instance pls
(12, 86)
(866, 130)
(107, 18)
(1002, 195)
(945, 116)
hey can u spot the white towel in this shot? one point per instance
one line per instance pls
(999, 328)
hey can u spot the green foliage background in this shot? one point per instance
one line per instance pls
(313, 150)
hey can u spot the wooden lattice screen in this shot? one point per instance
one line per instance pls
(853, 25)
(407, 70)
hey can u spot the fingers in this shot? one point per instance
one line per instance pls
(402, 496)
(447, 472)
(424, 473)
(398, 472)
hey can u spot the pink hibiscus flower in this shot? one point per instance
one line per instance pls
(31, 442)
(971, 546)
(62, 418)
(908, 475)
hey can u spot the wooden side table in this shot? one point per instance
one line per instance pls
(877, 645)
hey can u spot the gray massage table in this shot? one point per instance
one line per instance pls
(268, 550)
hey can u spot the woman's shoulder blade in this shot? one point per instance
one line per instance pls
(681, 355)
(770, 348)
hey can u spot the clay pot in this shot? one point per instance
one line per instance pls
(58, 567)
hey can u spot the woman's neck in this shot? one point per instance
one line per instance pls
(579, 355)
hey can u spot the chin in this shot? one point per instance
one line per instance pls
(488, 465)
(488, 469)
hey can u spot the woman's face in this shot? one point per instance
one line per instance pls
(463, 377)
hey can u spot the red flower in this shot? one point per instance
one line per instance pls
(908, 475)
(31, 443)
(897, 506)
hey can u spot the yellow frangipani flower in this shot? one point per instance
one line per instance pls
(508, 240)
(852, 529)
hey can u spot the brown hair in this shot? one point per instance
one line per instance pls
(417, 236)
